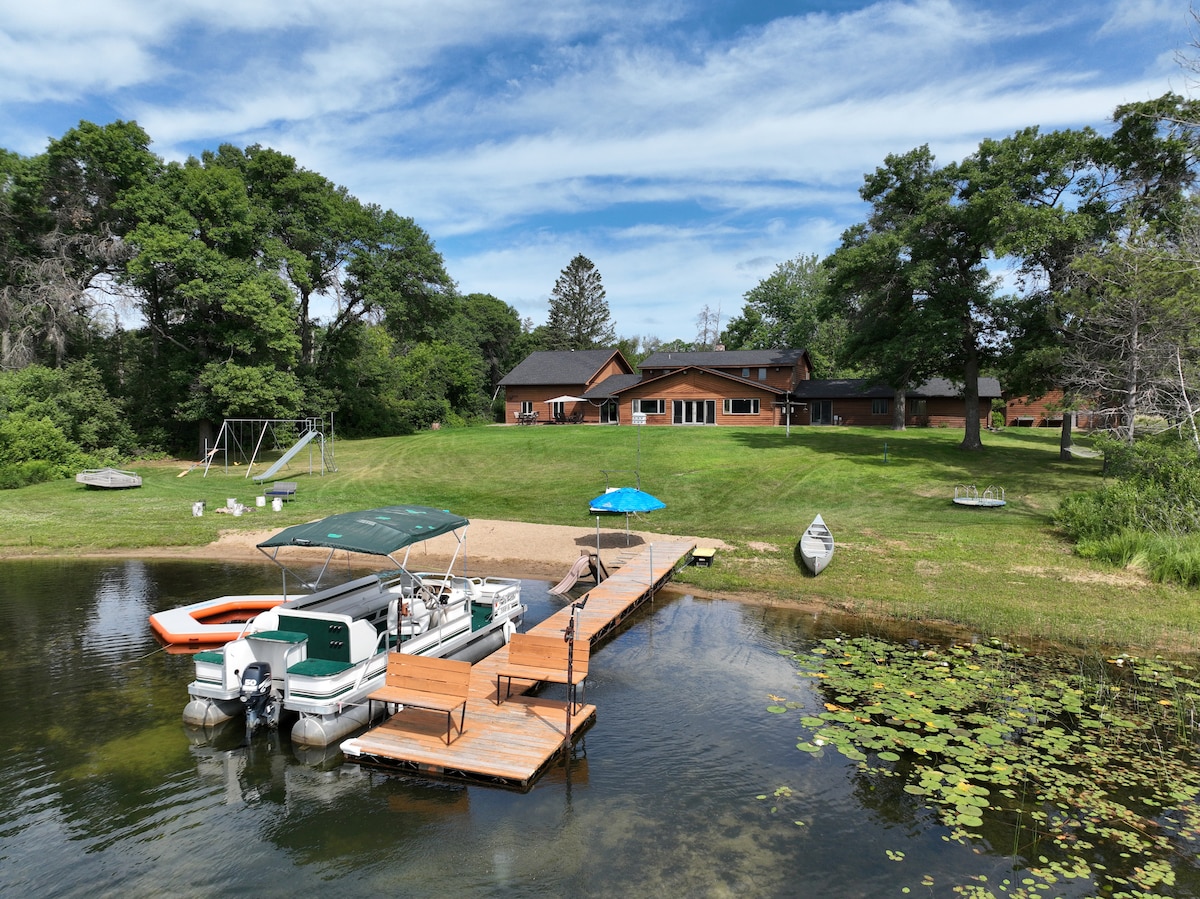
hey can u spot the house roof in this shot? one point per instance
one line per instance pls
(618, 384)
(840, 388)
(989, 388)
(611, 386)
(847, 388)
(724, 358)
(576, 369)
(559, 367)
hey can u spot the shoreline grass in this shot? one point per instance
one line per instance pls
(905, 552)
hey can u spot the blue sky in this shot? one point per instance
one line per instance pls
(686, 147)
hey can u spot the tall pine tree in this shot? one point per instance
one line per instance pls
(579, 318)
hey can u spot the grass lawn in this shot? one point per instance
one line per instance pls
(904, 550)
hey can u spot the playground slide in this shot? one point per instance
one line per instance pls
(286, 457)
(582, 564)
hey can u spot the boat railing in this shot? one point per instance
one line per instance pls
(381, 645)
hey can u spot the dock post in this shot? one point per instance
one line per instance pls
(569, 636)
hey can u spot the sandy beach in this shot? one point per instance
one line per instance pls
(500, 548)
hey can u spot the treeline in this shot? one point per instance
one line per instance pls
(143, 302)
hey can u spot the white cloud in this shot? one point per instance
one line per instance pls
(688, 157)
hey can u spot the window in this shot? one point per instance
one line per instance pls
(526, 407)
(745, 372)
(762, 374)
(879, 406)
(740, 407)
(650, 407)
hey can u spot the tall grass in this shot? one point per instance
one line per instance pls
(904, 550)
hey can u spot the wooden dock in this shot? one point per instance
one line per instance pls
(512, 743)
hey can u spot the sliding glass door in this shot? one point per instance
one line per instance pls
(693, 412)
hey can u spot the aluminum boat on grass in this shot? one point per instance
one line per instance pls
(315, 657)
(816, 546)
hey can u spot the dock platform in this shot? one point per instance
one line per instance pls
(512, 743)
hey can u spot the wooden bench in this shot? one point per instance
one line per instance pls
(537, 657)
(284, 489)
(423, 682)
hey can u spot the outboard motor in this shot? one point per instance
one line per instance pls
(257, 696)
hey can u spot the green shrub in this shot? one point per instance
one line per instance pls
(26, 474)
(1153, 486)
(1147, 514)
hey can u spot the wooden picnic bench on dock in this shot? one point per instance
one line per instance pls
(539, 657)
(424, 682)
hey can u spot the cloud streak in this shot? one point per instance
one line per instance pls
(685, 152)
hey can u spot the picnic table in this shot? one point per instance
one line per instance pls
(527, 418)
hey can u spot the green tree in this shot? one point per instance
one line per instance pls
(75, 400)
(1137, 345)
(397, 275)
(313, 226)
(787, 309)
(1053, 196)
(579, 316)
(1049, 196)
(62, 230)
(490, 328)
(211, 295)
(440, 382)
(914, 283)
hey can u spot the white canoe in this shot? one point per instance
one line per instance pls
(816, 546)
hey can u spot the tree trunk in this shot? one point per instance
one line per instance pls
(972, 439)
(1064, 440)
(900, 409)
(206, 436)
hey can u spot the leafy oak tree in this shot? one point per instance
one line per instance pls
(914, 284)
(221, 321)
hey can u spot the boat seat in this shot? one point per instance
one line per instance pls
(279, 636)
(319, 668)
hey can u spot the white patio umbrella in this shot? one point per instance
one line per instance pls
(566, 399)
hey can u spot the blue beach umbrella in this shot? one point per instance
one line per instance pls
(623, 500)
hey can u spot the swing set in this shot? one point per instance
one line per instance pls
(244, 440)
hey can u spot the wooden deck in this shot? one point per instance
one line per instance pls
(512, 743)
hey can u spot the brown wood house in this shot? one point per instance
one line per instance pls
(549, 386)
(734, 387)
(851, 401)
(1047, 412)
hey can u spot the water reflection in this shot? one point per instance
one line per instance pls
(103, 790)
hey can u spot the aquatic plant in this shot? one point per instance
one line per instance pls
(1084, 771)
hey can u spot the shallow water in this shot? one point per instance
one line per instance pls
(104, 792)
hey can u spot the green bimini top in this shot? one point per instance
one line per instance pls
(377, 532)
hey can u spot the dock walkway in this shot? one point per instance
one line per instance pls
(511, 743)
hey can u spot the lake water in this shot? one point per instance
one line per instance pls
(103, 792)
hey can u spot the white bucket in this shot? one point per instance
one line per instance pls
(277, 503)
(238, 509)
(260, 501)
(231, 502)
(197, 509)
